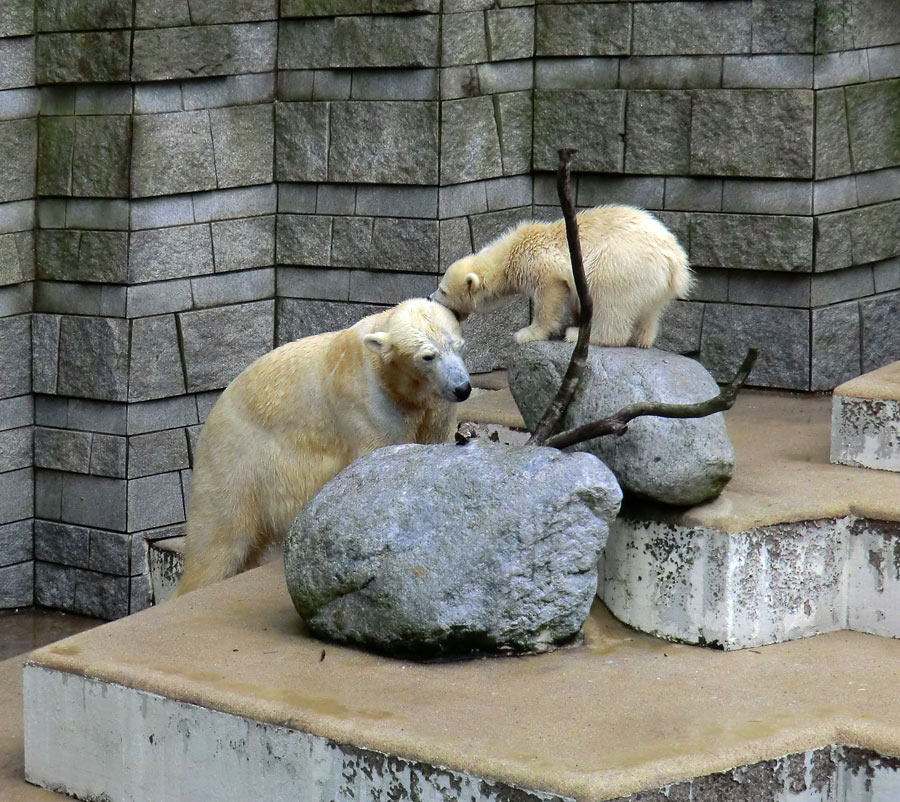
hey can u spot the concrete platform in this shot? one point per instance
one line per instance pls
(221, 695)
(865, 424)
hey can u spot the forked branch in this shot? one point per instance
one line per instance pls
(618, 423)
(557, 408)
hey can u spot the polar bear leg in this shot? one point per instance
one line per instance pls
(549, 302)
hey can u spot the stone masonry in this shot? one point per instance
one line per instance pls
(186, 183)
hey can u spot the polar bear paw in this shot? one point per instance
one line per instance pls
(572, 334)
(529, 335)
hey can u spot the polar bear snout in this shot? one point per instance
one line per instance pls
(463, 391)
(453, 378)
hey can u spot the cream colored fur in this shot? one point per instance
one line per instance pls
(633, 263)
(299, 414)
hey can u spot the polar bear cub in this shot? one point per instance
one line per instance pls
(299, 414)
(633, 263)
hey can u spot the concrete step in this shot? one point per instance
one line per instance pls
(865, 422)
(222, 695)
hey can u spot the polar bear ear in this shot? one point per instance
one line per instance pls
(378, 341)
(473, 282)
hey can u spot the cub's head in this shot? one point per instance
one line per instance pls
(462, 289)
(420, 343)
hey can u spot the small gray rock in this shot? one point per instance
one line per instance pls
(674, 461)
(447, 550)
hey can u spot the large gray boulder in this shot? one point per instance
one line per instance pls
(676, 461)
(453, 550)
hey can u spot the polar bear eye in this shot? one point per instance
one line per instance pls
(428, 357)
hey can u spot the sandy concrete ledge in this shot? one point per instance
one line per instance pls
(623, 713)
(882, 383)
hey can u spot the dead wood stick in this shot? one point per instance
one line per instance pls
(618, 423)
(554, 413)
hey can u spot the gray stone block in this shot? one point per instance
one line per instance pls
(155, 366)
(16, 261)
(576, 73)
(515, 112)
(873, 117)
(459, 82)
(768, 72)
(878, 186)
(62, 450)
(50, 410)
(412, 84)
(505, 76)
(93, 501)
(352, 241)
(460, 199)
(56, 100)
(230, 90)
(170, 53)
(670, 72)
(229, 204)
(832, 139)
(487, 227)
(18, 138)
(327, 284)
(101, 215)
(404, 244)
(77, 15)
(585, 29)
(470, 141)
(464, 39)
(45, 352)
(336, 199)
(355, 155)
(842, 285)
(834, 194)
(167, 413)
(219, 343)
(505, 193)
(110, 553)
(17, 18)
(301, 141)
(510, 33)
(17, 216)
(645, 192)
(62, 544)
(752, 242)
(389, 288)
(18, 103)
(15, 355)
(100, 159)
(297, 198)
(16, 543)
(844, 26)
(591, 121)
(161, 212)
(693, 194)
(82, 255)
(170, 253)
(96, 416)
(886, 273)
(783, 26)
(47, 494)
(17, 585)
(874, 232)
(767, 196)
(95, 57)
(680, 327)
(244, 244)
(158, 298)
(489, 337)
(212, 12)
(843, 67)
(79, 591)
(455, 241)
(303, 318)
(156, 98)
(93, 358)
(884, 62)
(104, 99)
(243, 142)
(16, 449)
(157, 137)
(390, 41)
(880, 333)
(305, 239)
(246, 285)
(16, 300)
(781, 334)
(15, 412)
(157, 452)
(658, 132)
(16, 63)
(108, 455)
(769, 289)
(711, 285)
(832, 241)
(753, 132)
(688, 28)
(393, 201)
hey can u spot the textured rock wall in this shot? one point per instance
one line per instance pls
(195, 181)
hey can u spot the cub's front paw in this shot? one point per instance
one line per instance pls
(529, 335)
(572, 334)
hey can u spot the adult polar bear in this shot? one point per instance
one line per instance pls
(299, 414)
(633, 263)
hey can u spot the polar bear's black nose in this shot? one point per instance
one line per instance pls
(463, 391)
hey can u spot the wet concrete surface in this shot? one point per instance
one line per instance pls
(22, 631)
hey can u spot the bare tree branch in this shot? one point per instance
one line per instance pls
(618, 423)
(557, 408)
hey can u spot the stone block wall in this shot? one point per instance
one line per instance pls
(195, 181)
